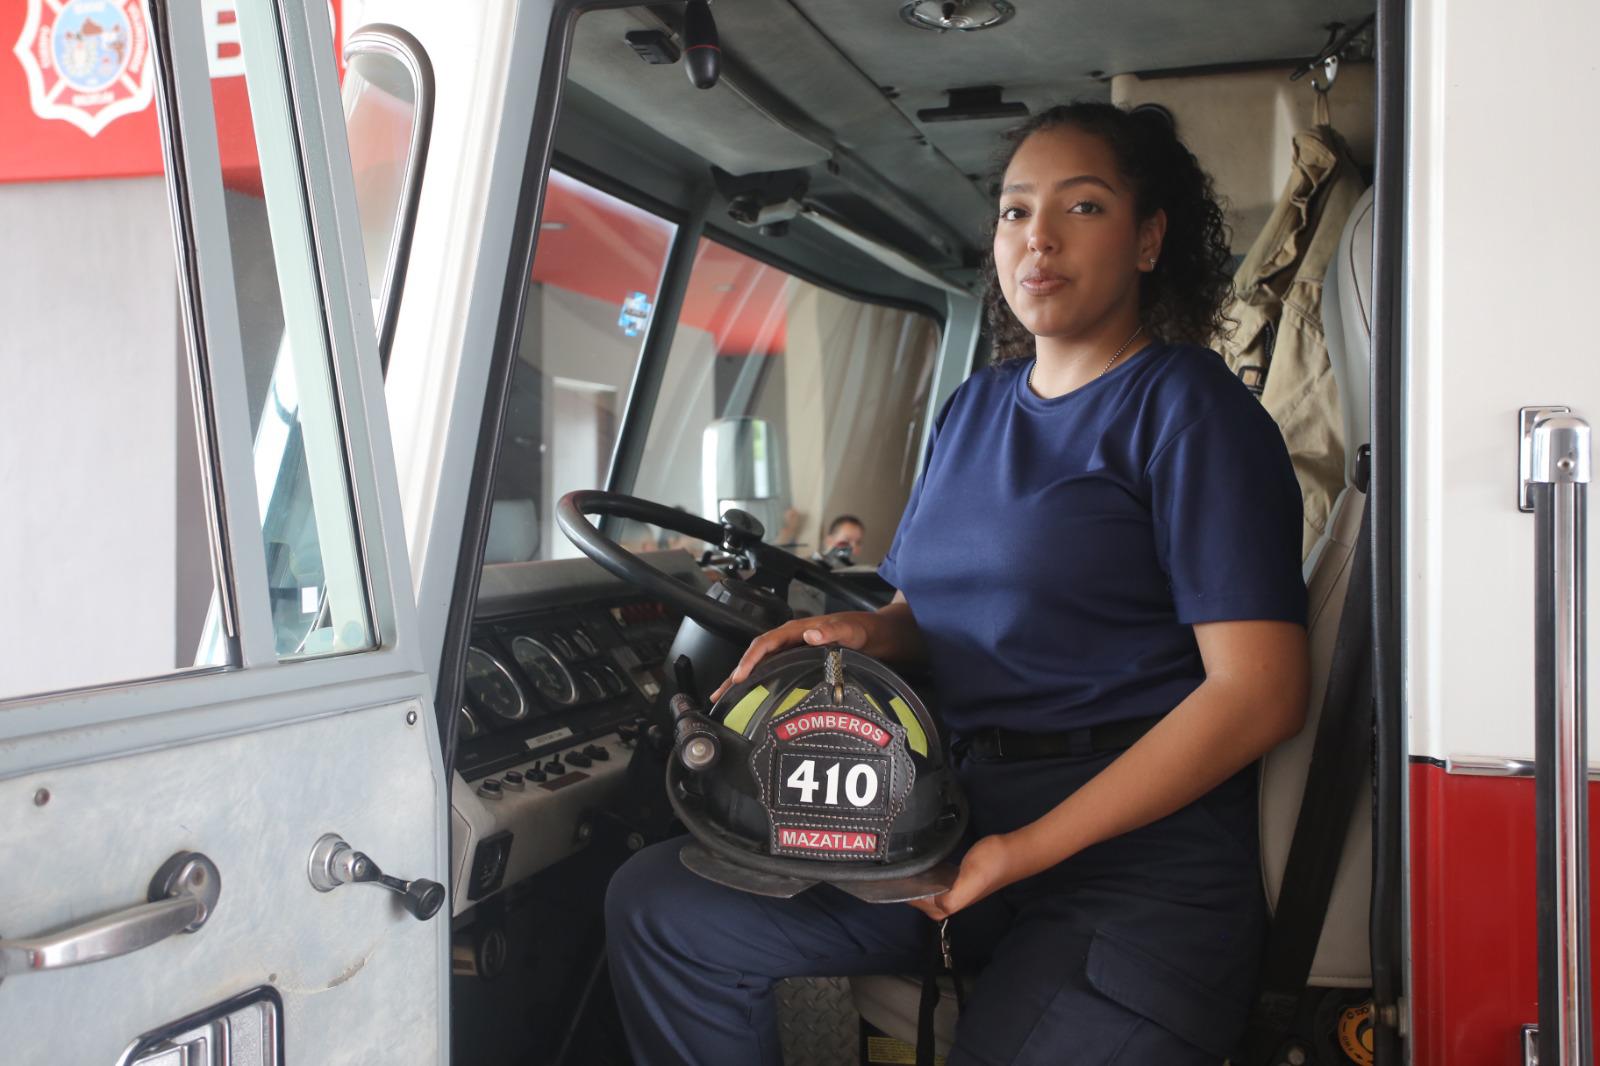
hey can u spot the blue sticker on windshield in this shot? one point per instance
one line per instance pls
(635, 314)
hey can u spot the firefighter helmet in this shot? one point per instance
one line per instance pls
(822, 766)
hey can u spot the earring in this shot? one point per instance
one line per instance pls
(1152, 260)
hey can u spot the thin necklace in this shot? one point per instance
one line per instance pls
(1109, 362)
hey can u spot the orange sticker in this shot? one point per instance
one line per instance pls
(1355, 1034)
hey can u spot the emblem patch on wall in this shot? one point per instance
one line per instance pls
(88, 62)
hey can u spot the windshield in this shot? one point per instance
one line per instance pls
(596, 275)
(795, 403)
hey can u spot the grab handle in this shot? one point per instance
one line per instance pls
(1557, 471)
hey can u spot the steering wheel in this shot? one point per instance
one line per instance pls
(738, 533)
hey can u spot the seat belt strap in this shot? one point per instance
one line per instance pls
(1341, 761)
(929, 1003)
(940, 961)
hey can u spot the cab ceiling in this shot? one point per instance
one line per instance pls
(834, 86)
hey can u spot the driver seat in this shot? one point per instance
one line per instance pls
(890, 1001)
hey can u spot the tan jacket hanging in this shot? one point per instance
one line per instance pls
(1278, 348)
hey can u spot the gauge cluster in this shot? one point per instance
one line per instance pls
(556, 676)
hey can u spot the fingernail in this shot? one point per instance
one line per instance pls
(813, 636)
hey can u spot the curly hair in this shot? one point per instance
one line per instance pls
(1182, 299)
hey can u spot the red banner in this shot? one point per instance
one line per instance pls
(831, 722)
(847, 842)
(77, 90)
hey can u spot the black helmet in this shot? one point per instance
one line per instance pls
(822, 766)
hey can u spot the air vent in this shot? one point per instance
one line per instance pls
(964, 15)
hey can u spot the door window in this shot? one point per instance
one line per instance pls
(111, 562)
(314, 570)
(107, 563)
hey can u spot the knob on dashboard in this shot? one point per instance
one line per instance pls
(555, 766)
(513, 781)
(489, 788)
(481, 952)
(659, 738)
(596, 752)
(579, 759)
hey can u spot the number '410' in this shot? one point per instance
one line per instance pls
(860, 783)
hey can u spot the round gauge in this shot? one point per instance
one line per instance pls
(561, 646)
(594, 688)
(613, 680)
(492, 687)
(468, 728)
(584, 642)
(550, 674)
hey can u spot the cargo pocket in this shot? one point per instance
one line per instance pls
(1154, 989)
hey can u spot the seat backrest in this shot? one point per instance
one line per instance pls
(1343, 958)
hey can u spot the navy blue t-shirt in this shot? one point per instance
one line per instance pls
(1056, 552)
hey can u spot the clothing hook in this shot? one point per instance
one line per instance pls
(1330, 74)
(1340, 38)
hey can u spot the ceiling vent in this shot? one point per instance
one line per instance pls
(964, 15)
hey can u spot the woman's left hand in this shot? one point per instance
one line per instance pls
(988, 867)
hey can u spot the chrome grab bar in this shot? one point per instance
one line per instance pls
(183, 895)
(1557, 458)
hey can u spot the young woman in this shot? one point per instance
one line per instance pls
(1101, 567)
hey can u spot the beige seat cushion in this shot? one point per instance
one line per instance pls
(1343, 959)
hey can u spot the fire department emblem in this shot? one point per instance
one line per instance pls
(87, 61)
(835, 775)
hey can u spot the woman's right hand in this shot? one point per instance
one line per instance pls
(889, 633)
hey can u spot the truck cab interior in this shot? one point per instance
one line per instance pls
(755, 280)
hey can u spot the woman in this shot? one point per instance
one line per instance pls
(1101, 567)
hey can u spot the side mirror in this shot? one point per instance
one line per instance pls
(742, 467)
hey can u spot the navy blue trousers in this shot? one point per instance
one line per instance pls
(1139, 951)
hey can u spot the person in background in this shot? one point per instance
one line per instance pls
(785, 538)
(842, 542)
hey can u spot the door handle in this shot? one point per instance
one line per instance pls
(183, 894)
(334, 863)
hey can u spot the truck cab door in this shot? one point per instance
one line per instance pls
(234, 853)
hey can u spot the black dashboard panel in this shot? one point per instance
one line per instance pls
(561, 653)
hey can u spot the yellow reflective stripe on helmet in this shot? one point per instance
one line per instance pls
(915, 737)
(745, 709)
(914, 734)
(789, 701)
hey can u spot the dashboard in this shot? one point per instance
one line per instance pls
(548, 679)
(564, 664)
